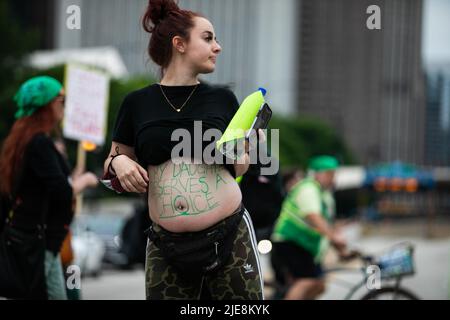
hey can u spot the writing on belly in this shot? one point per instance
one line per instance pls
(184, 190)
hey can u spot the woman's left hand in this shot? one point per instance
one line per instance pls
(261, 135)
(248, 142)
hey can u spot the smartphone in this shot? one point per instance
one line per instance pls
(261, 120)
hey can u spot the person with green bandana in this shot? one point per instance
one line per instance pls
(303, 231)
(37, 182)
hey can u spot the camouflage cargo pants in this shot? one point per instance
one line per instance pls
(240, 278)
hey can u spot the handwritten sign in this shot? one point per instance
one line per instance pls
(87, 92)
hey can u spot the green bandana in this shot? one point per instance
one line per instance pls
(36, 93)
(323, 163)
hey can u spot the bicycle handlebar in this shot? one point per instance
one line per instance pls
(356, 254)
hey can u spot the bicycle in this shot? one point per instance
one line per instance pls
(392, 265)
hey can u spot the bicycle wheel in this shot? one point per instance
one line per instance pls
(390, 293)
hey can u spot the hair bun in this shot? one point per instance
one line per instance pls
(159, 9)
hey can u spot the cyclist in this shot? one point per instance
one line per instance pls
(303, 231)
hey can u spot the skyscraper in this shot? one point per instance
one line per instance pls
(252, 33)
(437, 145)
(436, 59)
(367, 84)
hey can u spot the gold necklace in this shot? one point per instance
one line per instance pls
(182, 106)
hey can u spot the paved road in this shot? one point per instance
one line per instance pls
(432, 258)
(430, 282)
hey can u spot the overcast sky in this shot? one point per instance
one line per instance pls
(436, 31)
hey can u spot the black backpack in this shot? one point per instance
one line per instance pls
(134, 238)
(262, 196)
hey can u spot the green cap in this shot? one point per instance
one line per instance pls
(323, 163)
(36, 93)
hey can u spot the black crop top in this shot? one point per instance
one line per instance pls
(146, 120)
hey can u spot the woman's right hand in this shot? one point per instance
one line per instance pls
(131, 175)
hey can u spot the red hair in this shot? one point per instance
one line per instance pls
(22, 131)
(165, 20)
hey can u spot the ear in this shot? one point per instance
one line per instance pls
(179, 44)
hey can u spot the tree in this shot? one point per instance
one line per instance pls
(303, 137)
(17, 42)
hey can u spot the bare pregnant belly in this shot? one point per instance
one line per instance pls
(191, 197)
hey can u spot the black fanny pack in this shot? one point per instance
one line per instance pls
(197, 253)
